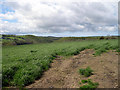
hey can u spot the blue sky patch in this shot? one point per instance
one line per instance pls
(5, 8)
(11, 21)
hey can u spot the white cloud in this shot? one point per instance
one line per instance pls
(34, 16)
(108, 28)
(8, 15)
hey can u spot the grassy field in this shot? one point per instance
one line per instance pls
(23, 64)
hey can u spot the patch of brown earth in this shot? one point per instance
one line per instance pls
(64, 73)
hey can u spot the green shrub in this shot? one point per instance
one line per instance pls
(84, 81)
(89, 86)
(102, 37)
(86, 72)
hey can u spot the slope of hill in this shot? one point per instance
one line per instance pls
(25, 39)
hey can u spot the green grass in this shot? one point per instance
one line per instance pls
(86, 72)
(22, 64)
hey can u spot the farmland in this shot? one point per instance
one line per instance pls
(23, 64)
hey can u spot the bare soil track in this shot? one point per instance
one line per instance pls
(64, 72)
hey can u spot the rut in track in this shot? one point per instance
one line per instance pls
(64, 72)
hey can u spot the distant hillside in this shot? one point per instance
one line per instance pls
(64, 39)
(31, 39)
(25, 39)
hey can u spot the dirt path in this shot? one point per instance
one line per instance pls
(64, 73)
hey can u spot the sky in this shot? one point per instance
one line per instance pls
(59, 17)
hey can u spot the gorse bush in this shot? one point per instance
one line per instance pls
(86, 72)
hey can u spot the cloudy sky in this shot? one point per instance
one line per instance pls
(59, 18)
